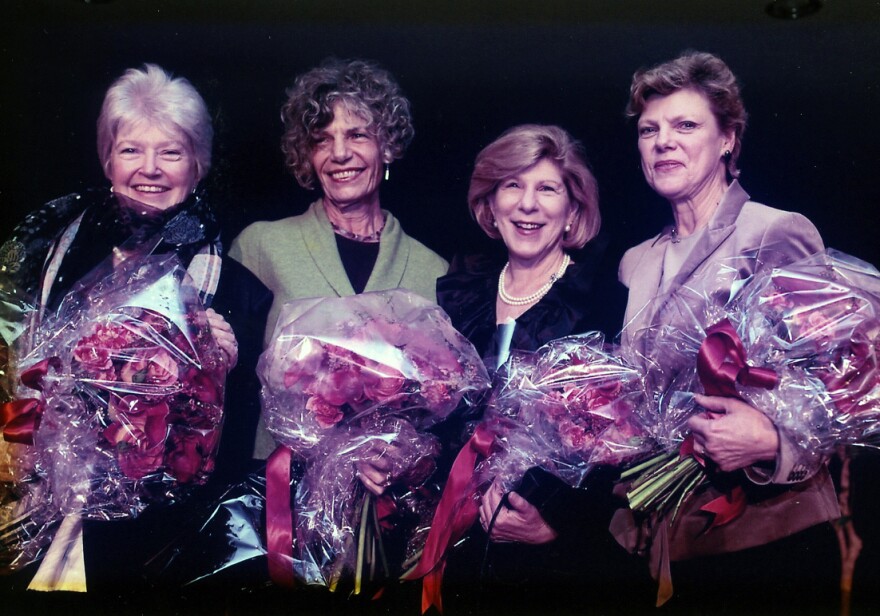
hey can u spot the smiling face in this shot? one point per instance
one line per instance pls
(682, 146)
(531, 210)
(347, 159)
(152, 166)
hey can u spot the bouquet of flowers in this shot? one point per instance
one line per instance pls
(564, 409)
(129, 385)
(798, 342)
(347, 381)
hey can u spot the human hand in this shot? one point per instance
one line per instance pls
(224, 337)
(734, 435)
(518, 520)
(376, 469)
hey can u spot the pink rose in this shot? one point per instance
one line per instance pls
(341, 386)
(326, 414)
(151, 366)
(381, 382)
(93, 359)
(305, 363)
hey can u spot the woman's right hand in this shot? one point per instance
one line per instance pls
(518, 520)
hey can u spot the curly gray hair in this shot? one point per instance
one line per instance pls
(364, 88)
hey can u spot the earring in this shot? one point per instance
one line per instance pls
(111, 187)
(494, 223)
(726, 154)
(568, 227)
(387, 174)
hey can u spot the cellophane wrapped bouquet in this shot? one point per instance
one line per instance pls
(347, 381)
(564, 408)
(14, 312)
(799, 342)
(129, 384)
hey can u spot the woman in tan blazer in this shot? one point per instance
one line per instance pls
(780, 551)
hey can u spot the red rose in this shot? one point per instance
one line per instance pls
(138, 432)
(190, 453)
(204, 386)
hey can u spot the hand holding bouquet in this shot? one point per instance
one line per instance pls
(562, 409)
(565, 408)
(798, 342)
(347, 382)
(130, 389)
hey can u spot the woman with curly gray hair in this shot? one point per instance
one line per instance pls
(345, 122)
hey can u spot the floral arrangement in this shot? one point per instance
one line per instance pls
(798, 342)
(127, 384)
(564, 408)
(347, 381)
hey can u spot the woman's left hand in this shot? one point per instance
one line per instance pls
(224, 337)
(519, 521)
(734, 435)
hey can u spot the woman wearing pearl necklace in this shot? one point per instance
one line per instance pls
(532, 190)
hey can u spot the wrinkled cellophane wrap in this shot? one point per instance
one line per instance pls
(564, 408)
(348, 380)
(817, 321)
(813, 322)
(132, 400)
(14, 313)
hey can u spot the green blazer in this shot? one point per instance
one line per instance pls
(297, 258)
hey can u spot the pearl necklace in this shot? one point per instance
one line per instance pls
(530, 299)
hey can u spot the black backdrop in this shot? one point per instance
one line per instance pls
(812, 88)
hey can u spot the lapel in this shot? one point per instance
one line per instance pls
(319, 240)
(722, 225)
(393, 257)
(646, 281)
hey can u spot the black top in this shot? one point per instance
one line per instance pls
(358, 259)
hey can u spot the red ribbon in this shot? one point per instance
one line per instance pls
(279, 518)
(21, 418)
(721, 364)
(456, 513)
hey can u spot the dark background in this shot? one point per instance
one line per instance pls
(471, 69)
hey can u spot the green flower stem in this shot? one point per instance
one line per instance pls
(635, 470)
(362, 538)
(696, 482)
(648, 492)
(377, 528)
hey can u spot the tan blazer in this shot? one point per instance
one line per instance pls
(772, 237)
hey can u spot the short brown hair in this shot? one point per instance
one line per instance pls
(708, 75)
